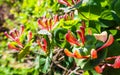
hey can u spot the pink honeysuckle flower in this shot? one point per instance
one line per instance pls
(102, 37)
(93, 54)
(11, 46)
(47, 24)
(108, 42)
(71, 39)
(65, 2)
(117, 62)
(42, 44)
(29, 37)
(15, 36)
(67, 16)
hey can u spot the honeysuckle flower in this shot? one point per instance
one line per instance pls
(15, 36)
(93, 54)
(47, 24)
(12, 46)
(42, 44)
(108, 42)
(117, 62)
(75, 54)
(29, 37)
(102, 37)
(65, 2)
(68, 53)
(71, 39)
(67, 16)
(98, 69)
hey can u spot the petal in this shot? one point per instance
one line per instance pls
(102, 37)
(68, 53)
(29, 36)
(93, 54)
(64, 2)
(71, 39)
(117, 63)
(82, 37)
(108, 43)
(8, 36)
(17, 40)
(98, 69)
(22, 28)
(77, 54)
(44, 45)
(16, 32)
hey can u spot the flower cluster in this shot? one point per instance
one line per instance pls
(103, 37)
(15, 36)
(65, 2)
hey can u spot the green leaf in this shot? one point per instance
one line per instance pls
(90, 42)
(93, 72)
(59, 36)
(114, 49)
(46, 66)
(23, 52)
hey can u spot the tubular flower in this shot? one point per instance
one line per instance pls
(93, 54)
(75, 54)
(15, 35)
(42, 44)
(117, 62)
(67, 16)
(98, 69)
(68, 53)
(12, 46)
(81, 32)
(71, 39)
(65, 2)
(29, 37)
(108, 42)
(102, 37)
(47, 24)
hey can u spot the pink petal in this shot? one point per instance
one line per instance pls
(22, 28)
(29, 36)
(102, 37)
(64, 2)
(117, 63)
(108, 43)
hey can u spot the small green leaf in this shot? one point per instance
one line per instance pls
(23, 52)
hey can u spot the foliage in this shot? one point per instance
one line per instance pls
(57, 37)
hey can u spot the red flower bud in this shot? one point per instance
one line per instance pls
(93, 54)
(98, 69)
(29, 36)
